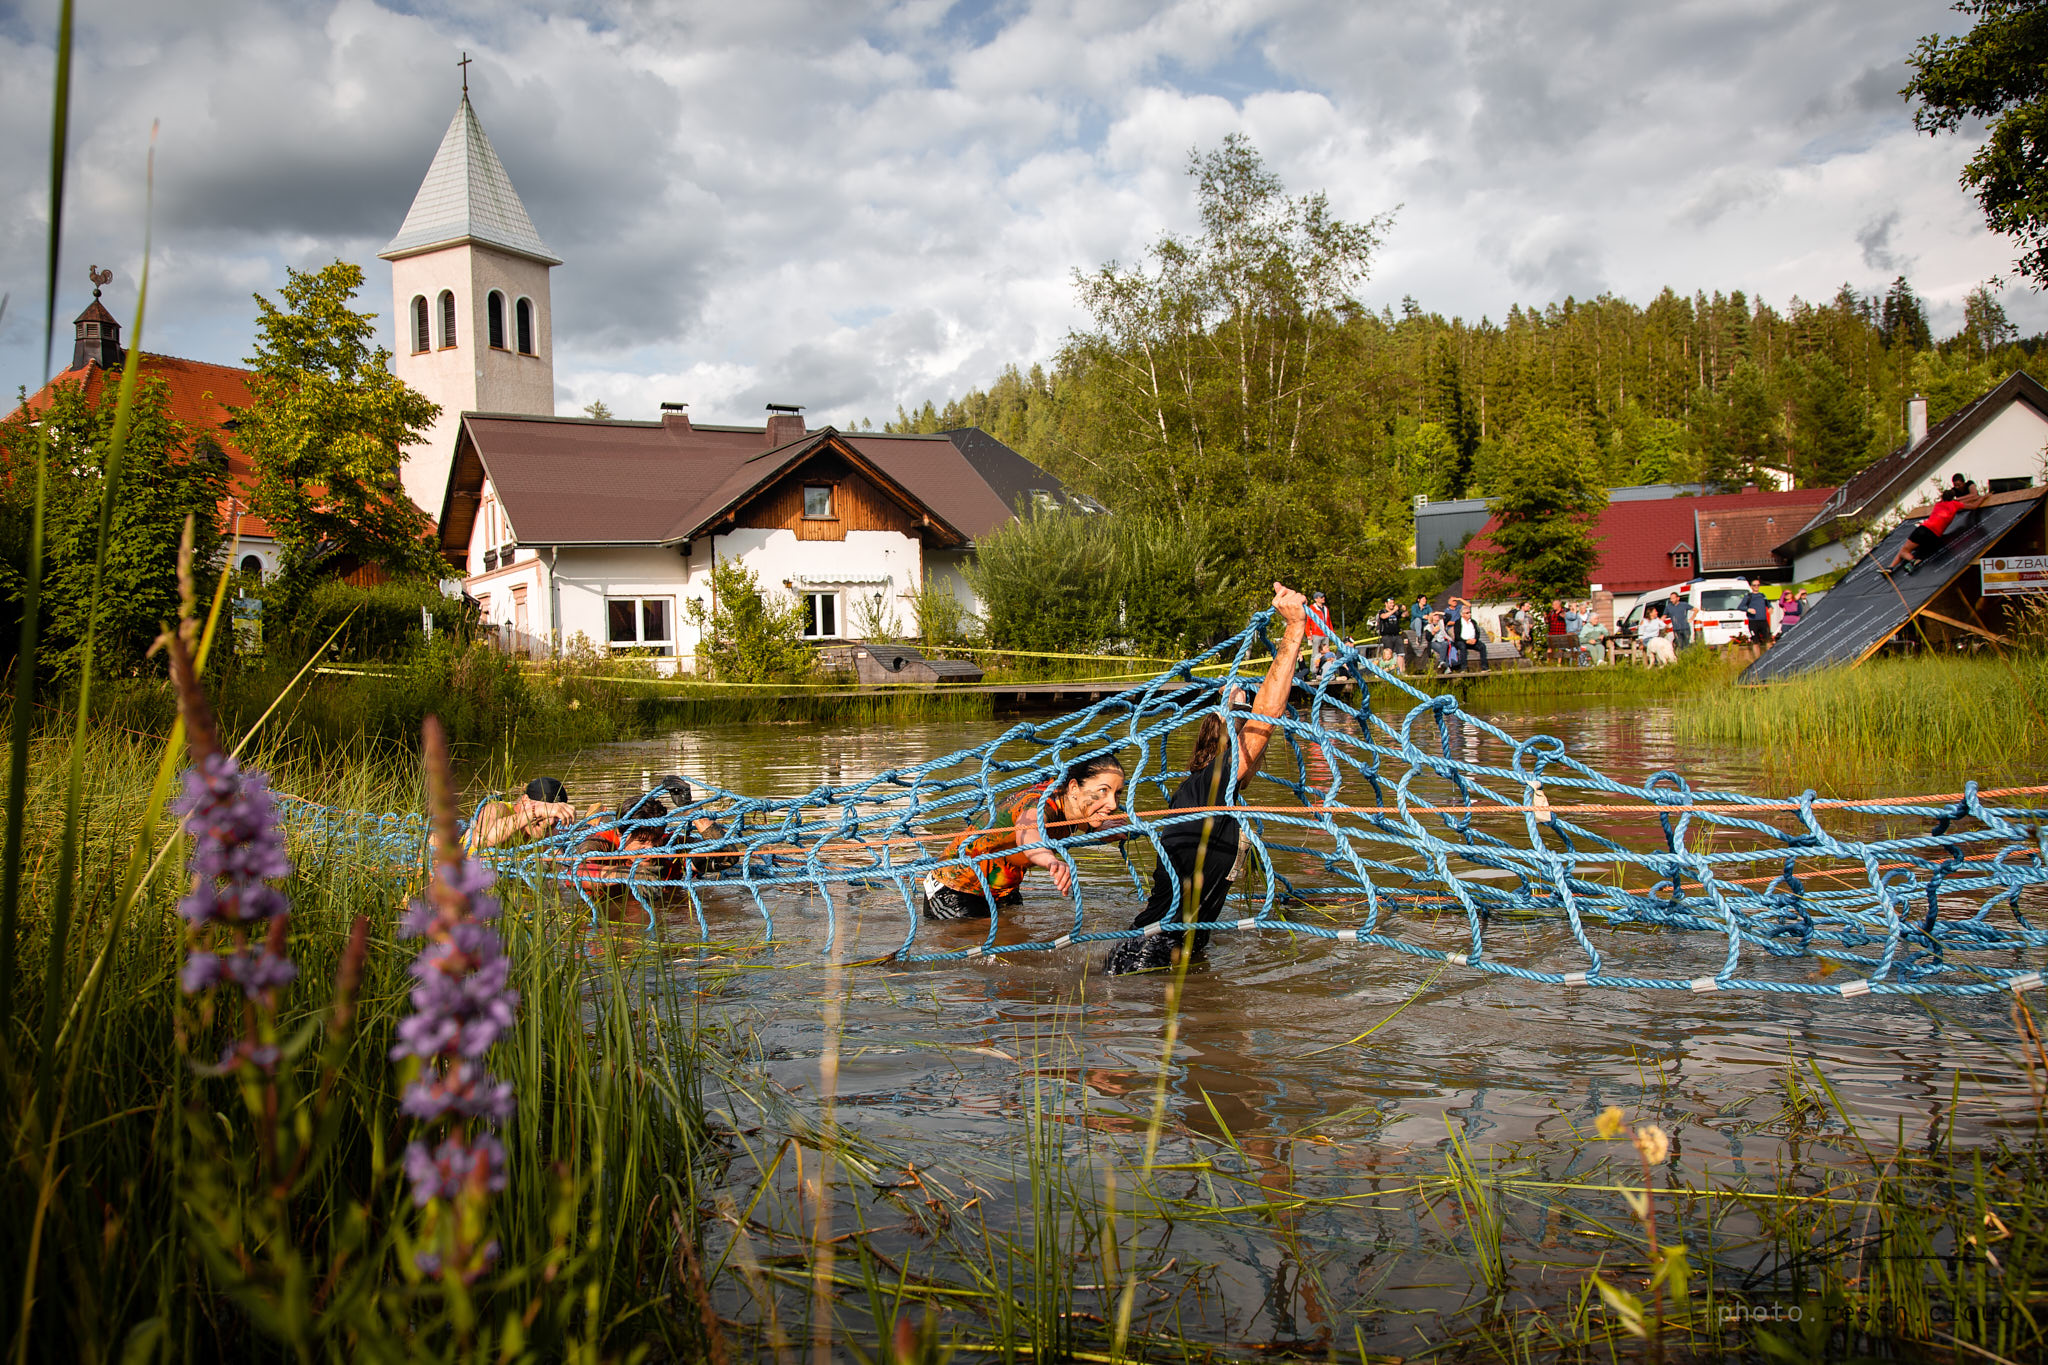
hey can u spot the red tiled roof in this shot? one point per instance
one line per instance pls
(200, 395)
(1740, 539)
(1635, 539)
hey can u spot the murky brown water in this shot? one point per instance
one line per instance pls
(939, 1063)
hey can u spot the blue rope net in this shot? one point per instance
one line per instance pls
(1372, 827)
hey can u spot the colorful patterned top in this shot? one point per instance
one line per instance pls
(993, 850)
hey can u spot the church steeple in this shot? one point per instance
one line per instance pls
(467, 197)
(469, 284)
(96, 331)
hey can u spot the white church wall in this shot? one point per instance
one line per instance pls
(507, 381)
(469, 376)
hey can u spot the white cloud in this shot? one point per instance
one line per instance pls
(860, 205)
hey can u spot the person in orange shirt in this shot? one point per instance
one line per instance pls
(1085, 799)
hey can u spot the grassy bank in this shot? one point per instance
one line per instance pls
(159, 1211)
(1951, 718)
(631, 1221)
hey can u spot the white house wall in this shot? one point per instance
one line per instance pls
(865, 562)
(585, 579)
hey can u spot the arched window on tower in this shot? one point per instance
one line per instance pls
(494, 315)
(447, 319)
(422, 340)
(523, 312)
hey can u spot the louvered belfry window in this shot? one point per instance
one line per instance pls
(447, 318)
(494, 315)
(421, 340)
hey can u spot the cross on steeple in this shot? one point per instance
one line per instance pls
(464, 64)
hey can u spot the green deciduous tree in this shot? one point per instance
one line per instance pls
(1216, 381)
(326, 429)
(1997, 72)
(167, 475)
(1550, 497)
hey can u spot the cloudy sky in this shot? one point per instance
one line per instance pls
(855, 205)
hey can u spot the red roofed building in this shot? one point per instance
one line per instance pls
(199, 395)
(1655, 544)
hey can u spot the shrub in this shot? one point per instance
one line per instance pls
(746, 637)
(383, 620)
(1129, 584)
(940, 616)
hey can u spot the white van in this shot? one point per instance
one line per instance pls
(1716, 609)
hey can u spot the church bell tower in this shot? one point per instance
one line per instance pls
(469, 286)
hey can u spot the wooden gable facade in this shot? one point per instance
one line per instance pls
(851, 502)
(832, 490)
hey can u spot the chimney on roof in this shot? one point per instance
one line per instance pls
(785, 424)
(1916, 421)
(675, 417)
(97, 334)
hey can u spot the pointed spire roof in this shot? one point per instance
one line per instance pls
(467, 197)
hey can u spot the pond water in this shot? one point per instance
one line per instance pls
(939, 1065)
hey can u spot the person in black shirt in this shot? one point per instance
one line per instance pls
(1203, 856)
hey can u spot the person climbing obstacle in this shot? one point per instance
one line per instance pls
(1925, 538)
(1085, 800)
(538, 812)
(1203, 857)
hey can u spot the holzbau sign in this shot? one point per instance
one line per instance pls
(2005, 575)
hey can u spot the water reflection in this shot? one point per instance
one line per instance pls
(940, 1060)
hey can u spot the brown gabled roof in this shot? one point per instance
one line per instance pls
(1891, 479)
(576, 481)
(1745, 538)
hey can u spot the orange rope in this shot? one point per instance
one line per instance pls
(918, 840)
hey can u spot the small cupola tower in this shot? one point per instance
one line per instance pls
(98, 334)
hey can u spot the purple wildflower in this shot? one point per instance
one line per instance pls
(462, 1003)
(237, 851)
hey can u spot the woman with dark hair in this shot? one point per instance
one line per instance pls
(1203, 856)
(1083, 799)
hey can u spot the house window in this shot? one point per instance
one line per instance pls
(644, 623)
(1681, 557)
(522, 314)
(821, 616)
(421, 340)
(252, 566)
(494, 316)
(818, 502)
(447, 319)
(2010, 485)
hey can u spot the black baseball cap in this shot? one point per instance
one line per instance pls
(548, 789)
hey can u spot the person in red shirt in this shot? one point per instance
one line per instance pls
(1926, 537)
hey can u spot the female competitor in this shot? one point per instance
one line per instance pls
(1086, 799)
(1203, 857)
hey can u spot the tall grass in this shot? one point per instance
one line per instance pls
(1949, 718)
(158, 1241)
